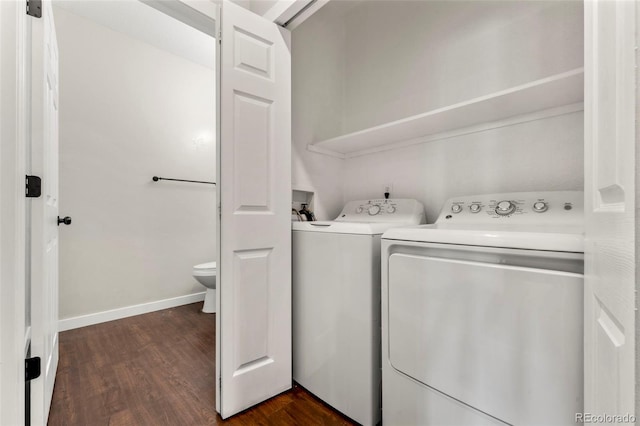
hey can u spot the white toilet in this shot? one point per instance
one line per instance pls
(205, 273)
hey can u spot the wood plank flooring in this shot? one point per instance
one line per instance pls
(159, 369)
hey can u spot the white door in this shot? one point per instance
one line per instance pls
(44, 247)
(610, 207)
(14, 134)
(254, 316)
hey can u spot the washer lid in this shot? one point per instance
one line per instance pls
(531, 237)
(334, 227)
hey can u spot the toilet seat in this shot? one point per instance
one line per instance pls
(205, 269)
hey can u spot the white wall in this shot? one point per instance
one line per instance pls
(409, 57)
(137, 20)
(242, 3)
(318, 73)
(375, 62)
(404, 58)
(128, 111)
(539, 155)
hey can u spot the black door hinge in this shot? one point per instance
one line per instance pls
(31, 368)
(33, 186)
(34, 8)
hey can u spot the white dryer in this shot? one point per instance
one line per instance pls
(482, 313)
(336, 303)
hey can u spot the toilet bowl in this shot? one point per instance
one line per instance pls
(205, 274)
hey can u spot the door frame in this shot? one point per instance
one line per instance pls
(612, 220)
(13, 125)
(14, 131)
(204, 16)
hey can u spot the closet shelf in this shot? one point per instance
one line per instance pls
(557, 94)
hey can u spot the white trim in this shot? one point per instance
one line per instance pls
(220, 184)
(306, 14)
(285, 10)
(128, 311)
(198, 14)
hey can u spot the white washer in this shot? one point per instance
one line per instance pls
(482, 313)
(336, 303)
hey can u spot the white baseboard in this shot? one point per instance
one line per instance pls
(128, 311)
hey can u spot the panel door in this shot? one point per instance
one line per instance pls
(44, 246)
(254, 320)
(610, 206)
(14, 135)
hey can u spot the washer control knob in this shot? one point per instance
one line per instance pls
(373, 210)
(475, 208)
(391, 209)
(540, 207)
(505, 208)
(456, 208)
(359, 209)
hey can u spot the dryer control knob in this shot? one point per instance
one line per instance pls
(391, 209)
(374, 210)
(359, 209)
(475, 208)
(540, 207)
(456, 208)
(505, 207)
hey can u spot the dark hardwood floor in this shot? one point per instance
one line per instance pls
(159, 369)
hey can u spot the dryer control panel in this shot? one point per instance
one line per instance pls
(394, 210)
(543, 208)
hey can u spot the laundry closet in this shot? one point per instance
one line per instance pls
(437, 99)
(442, 100)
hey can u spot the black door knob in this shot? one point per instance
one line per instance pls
(66, 220)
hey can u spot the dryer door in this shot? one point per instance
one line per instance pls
(506, 340)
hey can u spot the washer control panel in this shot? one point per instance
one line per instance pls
(521, 207)
(400, 210)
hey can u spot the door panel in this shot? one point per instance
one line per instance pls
(251, 153)
(610, 143)
(254, 183)
(44, 245)
(251, 269)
